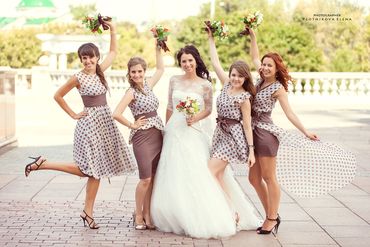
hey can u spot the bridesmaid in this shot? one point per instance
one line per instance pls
(146, 131)
(99, 150)
(307, 167)
(233, 139)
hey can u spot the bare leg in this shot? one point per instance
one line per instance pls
(70, 168)
(140, 194)
(91, 191)
(146, 206)
(217, 168)
(268, 172)
(255, 178)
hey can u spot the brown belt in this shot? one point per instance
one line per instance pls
(226, 123)
(95, 100)
(146, 115)
(264, 117)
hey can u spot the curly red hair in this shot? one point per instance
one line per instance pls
(282, 73)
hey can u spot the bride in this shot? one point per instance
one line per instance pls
(186, 197)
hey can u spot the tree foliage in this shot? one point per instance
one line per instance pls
(305, 45)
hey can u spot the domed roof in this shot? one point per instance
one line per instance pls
(35, 4)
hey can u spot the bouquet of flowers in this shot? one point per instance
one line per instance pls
(252, 21)
(218, 29)
(93, 23)
(161, 33)
(189, 107)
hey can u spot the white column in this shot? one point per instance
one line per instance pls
(62, 61)
(53, 61)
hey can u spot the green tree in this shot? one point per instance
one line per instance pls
(19, 48)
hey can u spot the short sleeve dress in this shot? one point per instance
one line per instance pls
(99, 149)
(146, 141)
(304, 167)
(230, 146)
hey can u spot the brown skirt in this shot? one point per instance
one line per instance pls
(147, 145)
(265, 143)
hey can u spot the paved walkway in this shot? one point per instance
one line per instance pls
(43, 209)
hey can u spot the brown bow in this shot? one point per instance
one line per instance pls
(101, 20)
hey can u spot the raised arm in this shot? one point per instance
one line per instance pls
(254, 50)
(159, 68)
(247, 126)
(113, 47)
(62, 91)
(222, 76)
(282, 97)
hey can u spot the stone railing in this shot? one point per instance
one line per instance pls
(7, 106)
(330, 83)
(304, 83)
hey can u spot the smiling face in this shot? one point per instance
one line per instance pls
(268, 68)
(137, 73)
(89, 62)
(236, 79)
(188, 63)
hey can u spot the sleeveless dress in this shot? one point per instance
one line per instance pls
(304, 167)
(147, 141)
(99, 149)
(230, 145)
(186, 197)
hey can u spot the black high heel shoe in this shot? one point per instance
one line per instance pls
(274, 228)
(28, 168)
(259, 228)
(91, 224)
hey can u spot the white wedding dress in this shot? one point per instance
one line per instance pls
(186, 197)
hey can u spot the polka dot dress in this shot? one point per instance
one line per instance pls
(304, 167)
(99, 148)
(144, 103)
(231, 147)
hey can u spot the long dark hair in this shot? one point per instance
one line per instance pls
(91, 50)
(282, 73)
(201, 69)
(243, 69)
(132, 62)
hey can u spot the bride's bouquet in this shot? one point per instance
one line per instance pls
(161, 33)
(93, 23)
(252, 21)
(218, 29)
(189, 107)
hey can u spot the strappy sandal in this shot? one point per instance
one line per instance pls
(91, 224)
(28, 168)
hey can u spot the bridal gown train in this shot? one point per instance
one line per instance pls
(186, 197)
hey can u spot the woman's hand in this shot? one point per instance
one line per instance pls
(112, 26)
(79, 115)
(210, 35)
(251, 159)
(312, 136)
(190, 120)
(139, 122)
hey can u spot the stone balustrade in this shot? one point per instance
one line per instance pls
(304, 83)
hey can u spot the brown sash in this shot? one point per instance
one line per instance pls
(226, 123)
(146, 115)
(96, 100)
(264, 117)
